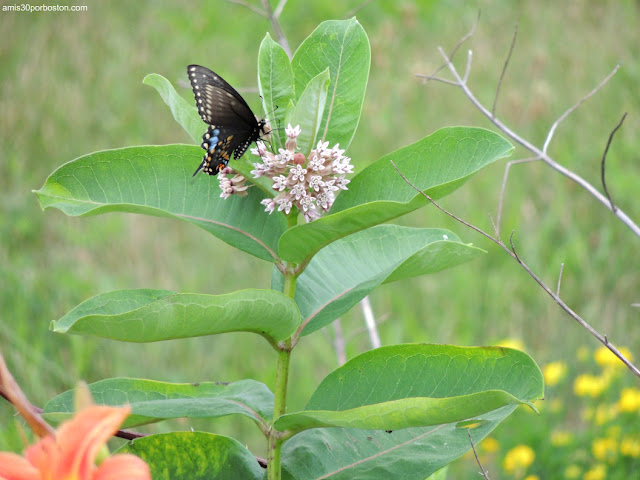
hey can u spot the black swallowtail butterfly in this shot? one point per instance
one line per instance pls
(232, 124)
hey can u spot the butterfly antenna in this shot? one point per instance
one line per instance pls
(272, 112)
(269, 114)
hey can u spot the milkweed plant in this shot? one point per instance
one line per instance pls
(401, 411)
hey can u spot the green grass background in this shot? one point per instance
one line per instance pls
(71, 84)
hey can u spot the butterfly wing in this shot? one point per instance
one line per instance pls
(233, 126)
(220, 143)
(218, 102)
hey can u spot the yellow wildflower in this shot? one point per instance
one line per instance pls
(490, 445)
(629, 400)
(561, 438)
(518, 458)
(589, 385)
(554, 372)
(572, 472)
(532, 477)
(630, 447)
(599, 472)
(606, 359)
(605, 449)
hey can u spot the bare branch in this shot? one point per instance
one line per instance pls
(513, 248)
(426, 78)
(453, 52)
(604, 157)
(514, 254)
(559, 279)
(580, 102)
(467, 69)
(278, 10)
(504, 187)
(275, 25)
(622, 216)
(467, 36)
(504, 70)
(495, 227)
(370, 321)
(482, 470)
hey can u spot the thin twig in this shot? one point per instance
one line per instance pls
(432, 76)
(504, 187)
(559, 279)
(622, 216)
(482, 470)
(514, 254)
(281, 38)
(504, 70)
(604, 157)
(278, 10)
(426, 78)
(370, 322)
(467, 68)
(467, 36)
(580, 102)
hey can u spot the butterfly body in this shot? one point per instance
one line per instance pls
(232, 124)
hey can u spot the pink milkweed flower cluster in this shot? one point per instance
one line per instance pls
(309, 184)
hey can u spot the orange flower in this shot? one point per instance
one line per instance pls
(71, 454)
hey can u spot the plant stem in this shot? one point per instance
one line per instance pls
(282, 378)
(280, 406)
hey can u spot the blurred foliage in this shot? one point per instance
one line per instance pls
(71, 84)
